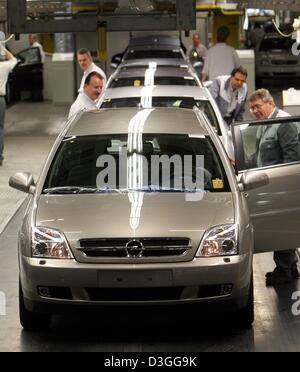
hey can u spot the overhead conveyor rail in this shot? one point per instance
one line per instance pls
(292, 5)
(84, 16)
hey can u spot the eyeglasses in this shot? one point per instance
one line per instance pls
(256, 107)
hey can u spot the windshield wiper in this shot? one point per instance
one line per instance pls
(65, 190)
(69, 190)
(153, 188)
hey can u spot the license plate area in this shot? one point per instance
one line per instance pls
(134, 279)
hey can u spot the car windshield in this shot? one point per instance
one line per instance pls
(126, 162)
(158, 80)
(276, 43)
(148, 54)
(170, 102)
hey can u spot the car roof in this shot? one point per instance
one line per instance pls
(157, 91)
(153, 48)
(126, 67)
(118, 121)
(155, 40)
(159, 71)
(159, 61)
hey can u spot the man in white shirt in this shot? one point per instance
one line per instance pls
(87, 65)
(197, 51)
(221, 59)
(35, 44)
(7, 64)
(88, 99)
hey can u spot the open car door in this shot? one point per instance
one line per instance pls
(272, 146)
(28, 74)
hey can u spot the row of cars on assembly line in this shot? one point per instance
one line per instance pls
(89, 239)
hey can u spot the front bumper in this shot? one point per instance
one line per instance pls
(277, 72)
(61, 283)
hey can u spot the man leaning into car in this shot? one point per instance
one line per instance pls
(7, 64)
(230, 94)
(275, 144)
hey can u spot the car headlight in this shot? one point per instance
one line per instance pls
(219, 241)
(49, 243)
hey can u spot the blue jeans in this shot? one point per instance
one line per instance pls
(2, 118)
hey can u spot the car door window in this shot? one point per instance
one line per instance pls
(268, 144)
(272, 147)
(30, 56)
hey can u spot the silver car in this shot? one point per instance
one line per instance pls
(176, 232)
(275, 58)
(164, 49)
(156, 46)
(153, 51)
(153, 75)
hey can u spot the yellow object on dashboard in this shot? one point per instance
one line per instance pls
(218, 184)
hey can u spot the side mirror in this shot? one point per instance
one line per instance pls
(207, 84)
(253, 180)
(20, 60)
(23, 182)
(198, 64)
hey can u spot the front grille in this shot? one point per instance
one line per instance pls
(156, 293)
(134, 294)
(285, 74)
(149, 247)
(284, 62)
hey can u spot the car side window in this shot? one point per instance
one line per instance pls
(30, 56)
(270, 145)
(207, 108)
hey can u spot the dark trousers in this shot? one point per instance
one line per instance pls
(2, 118)
(285, 260)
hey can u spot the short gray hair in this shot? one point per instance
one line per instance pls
(83, 51)
(262, 94)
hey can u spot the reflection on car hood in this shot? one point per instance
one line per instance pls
(159, 61)
(135, 214)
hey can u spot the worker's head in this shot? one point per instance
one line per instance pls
(223, 34)
(238, 77)
(84, 59)
(93, 85)
(196, 40)
(261, 104)
(32, 39)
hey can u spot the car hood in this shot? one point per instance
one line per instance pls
(135, 215)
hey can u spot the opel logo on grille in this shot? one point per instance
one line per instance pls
(134, 249)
